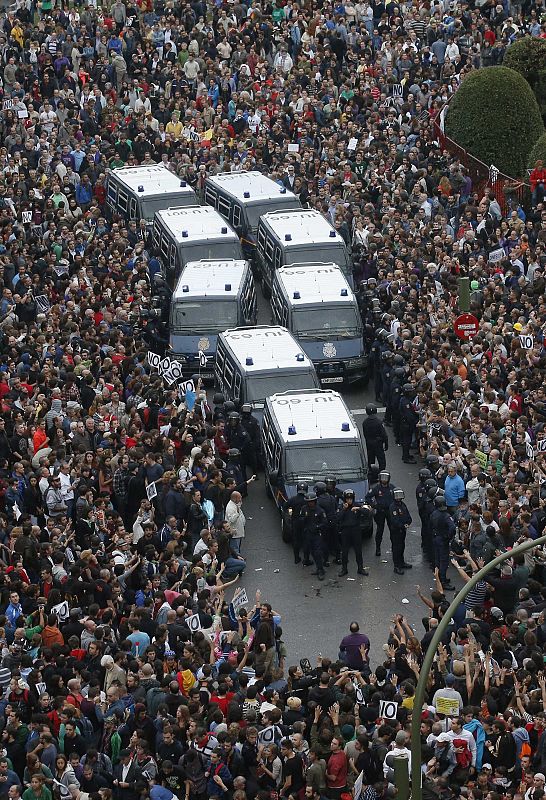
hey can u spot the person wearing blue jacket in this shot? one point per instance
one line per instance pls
(454, 489)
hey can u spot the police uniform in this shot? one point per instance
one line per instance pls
(294, 523)
(313, 524)
(331, 538)
(443, 531)
(380, 497)
(408, 424)
(350, 523)
(252, 427)
(398, 519)
(377, 441)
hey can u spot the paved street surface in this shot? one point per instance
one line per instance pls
(316, 615)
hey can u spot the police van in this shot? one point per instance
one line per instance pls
(242, 198)
(138, 192)
(210, 296)
(196, 233)
(315, 303)
(253, 363)
(296, 237)
(308, 436)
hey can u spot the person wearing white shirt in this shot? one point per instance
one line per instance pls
(236, 518)
(458, 732)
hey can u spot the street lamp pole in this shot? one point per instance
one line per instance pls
(416, 788)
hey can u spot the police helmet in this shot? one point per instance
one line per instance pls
(440, 502)
(348, 494)
(384, 476)
(310, 497)
(386, 355)
(371, 408)
(320, 487)
(399, 494)
(235, 417)
(382, 334)
(424, 474)
(408, 389)
(432, 461)
(430, 483)
(301, 488)
(246, 408)
(399, 360)
(399, 372)
(218, 399)
(432, 492)
(233, 452)
(330, 482)
(229, 406)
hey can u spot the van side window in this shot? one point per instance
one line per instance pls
(133, 214)
(228, 374)
(172, 259)
(210, 196)
(237, 391)
(277, 257)
(236, 215)
(261, 240)
(157, 236)
(277, 457)
(165, 246)
(220, 359)
(112, 192)
(276, 308)
(123, 200)
(223, 206)
(269, 250)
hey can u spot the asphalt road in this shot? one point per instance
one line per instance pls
(316, 615)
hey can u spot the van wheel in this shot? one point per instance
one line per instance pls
(285, 532)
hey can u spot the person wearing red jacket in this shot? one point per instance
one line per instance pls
(537, 179)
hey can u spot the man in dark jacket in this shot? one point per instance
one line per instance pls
(377, 441)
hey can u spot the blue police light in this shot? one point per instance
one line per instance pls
(291, 430)
(287, 237)
(249, 361)
(332, 234)
(141, 188)
(184, 234)
(224, 230)
(227, 287)
(183, 184)
(344, 292)
(185, 288)
(246, 194)
(283, 189)
(296, 295)
(345, 427)
(300, 357)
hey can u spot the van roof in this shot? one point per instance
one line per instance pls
(198, 222)
(257, 186)
(267, 347)
(311, 415)
(209, 278)
(309, 284)
(155, 180)
(301, 227)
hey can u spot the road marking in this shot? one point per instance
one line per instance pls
(360, 412)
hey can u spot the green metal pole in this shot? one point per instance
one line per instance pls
(464, 295)
(416, 788)
(401, 777)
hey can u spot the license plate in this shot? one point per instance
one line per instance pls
(207, 375)
(339, 379)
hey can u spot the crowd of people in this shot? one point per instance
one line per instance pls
(126, 671)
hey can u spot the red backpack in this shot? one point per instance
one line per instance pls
(462, 753)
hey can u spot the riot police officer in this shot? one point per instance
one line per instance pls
(292, 521)
(313, 524)
(328, 503)
(218, 407)
(380, 497)
(234, 469)
(443, 531)
(399, 518)
(426, 531)
(395, 395)
(350, 519)
(386, 377)
(238, 437)
(252, 427)
(375, 365)
(377, 441)
(408, 422)
(421, 493)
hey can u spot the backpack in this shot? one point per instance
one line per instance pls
(86, 728)
(372, 766)
(462, 753)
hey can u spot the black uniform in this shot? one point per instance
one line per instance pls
(394, 401)
(239, 439)
(331, 538)
(398, 518)
(443, 531)
(351, 521)
(380, 497)
(252, 454)
(377, 441)
(313, 524)
(294, 524)
(408, 423)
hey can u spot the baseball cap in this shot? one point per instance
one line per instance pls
(444, 737)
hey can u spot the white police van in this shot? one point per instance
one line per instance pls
(297, 237)
(242, 198)
(196, 233)
(210, 296)
(308, 436)
(253, 363)
(138, 192)
(315, 303)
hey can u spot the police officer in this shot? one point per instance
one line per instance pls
(234, 469)
(386, 377)
(408, 422)
(252, 427)
(313, 524)
(350, 520)
(399, 518)
(427, 543)
(292, 521)
(328, 503)
(332, 488)
(237, 437)
(377, 441)
(443, 531)
(421, 493)
(376, 364)
(395, 395)
(218, 407)
(380, 497)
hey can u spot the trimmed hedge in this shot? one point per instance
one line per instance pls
(494, 115)
(538, 152)
(528, 57)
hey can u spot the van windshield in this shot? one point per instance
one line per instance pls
(152, 204)
(212, 316)
(214, 250)
(261, 386)
(336, 254)
(323, 322)
(345, 461)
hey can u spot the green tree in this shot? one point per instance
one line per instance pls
(538, 152)
(495, 116)
(528, 57)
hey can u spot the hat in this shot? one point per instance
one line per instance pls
(487, 766)
(444, 737)
(497, 613)
(518, 326)
(540, 776)
(347, 731)
(474, 285)
(449, 679)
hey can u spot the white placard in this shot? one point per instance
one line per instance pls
(239, 599)
(42, 303)
(60, 269)
(26, 217)
(7, 104)
(359, 783)
(189, 386)
(540, 446)
(293, 148)
(388, 709)
(202, 359)
(151, 491)
(170, 377)
(526, 341)
(193, 623)
(496, 255)
(153, 359)
(529, 450)
(164, 365)
(353, 144)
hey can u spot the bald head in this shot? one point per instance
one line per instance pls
(236, 497)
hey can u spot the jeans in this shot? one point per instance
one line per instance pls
(233, 567)
(236, 544)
